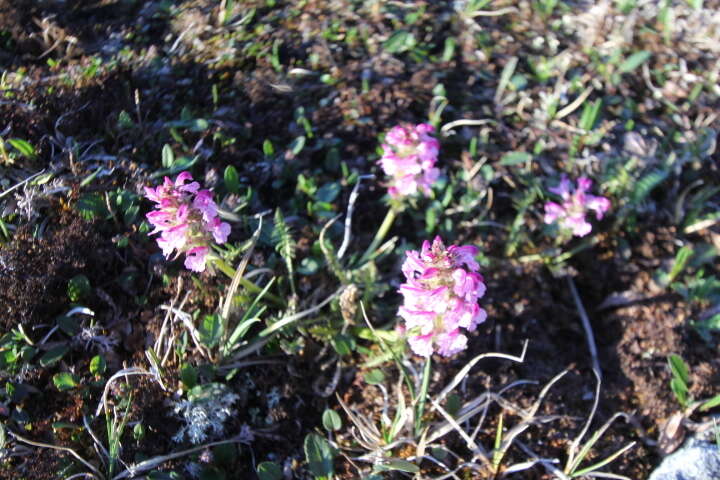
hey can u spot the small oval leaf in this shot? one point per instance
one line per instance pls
(331, 420)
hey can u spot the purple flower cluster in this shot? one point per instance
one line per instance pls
(570, 215)
(441, 295)
(409, 156)
(186, 218)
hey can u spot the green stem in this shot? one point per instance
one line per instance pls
(422, 395)
(582, 246)
(380, 235)
(224, 267)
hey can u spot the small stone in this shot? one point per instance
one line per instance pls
(696, 460)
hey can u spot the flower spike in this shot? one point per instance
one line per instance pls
(441, 295)
(187, 220)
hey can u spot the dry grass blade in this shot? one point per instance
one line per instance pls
(546, 463)
(239, 272)
(530, 418)
(477, 450)
(122, 373)
(144, 466)
(586, 449)
(371, 439)
(293, 318)
(466, 369)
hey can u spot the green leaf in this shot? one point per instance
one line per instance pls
(448, 49)
(331, 420)
(398, 464)
(681, 260)
(680, 390)
(53, 355)
(65, 381)
(42, 179)
(453, 404)
(679, 369)
(23, 147)
(319, 456)
(210, 330)
(308, 266)
(712, 403)
(98, 365)
(647, 183)
(515, 158)
(91, 206)
(634, 61)
(131, 214)
(343, 344)
(207, 392)
(590, 114)
(124, 121)
(399, 42)
(168, 157)
(268, 151)
(78, 288)
(297, 145)
(328, 192)
(68, 325)
(232, 179)
(374, 376)
(269, 471)
(188, 376)
(138, 431)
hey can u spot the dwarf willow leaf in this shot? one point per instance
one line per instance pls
(375, 376)
(232, 179)
(98, 365)
(400, 41)
(331, 420)
(65, 381)
(319, 456)
(53, 355)
(168, 157)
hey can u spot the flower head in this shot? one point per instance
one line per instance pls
(441, 295)
(409, 156)
(186, 219)
(570, 214)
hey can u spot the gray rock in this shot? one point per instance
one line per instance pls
(696, 460)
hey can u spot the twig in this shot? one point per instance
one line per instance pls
(587, 327)
(18, 185)
(348, 216)
(96, 473)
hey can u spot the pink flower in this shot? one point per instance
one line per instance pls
(409, 157)
(441, 291)
(186, 219)
(570, 215)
